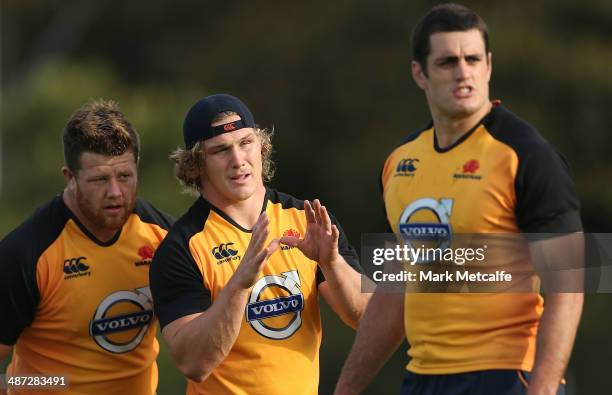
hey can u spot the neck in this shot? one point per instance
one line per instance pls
(449, 130)
(244, 212)
(102, 234)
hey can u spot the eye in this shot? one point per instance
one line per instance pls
(472, 59)
(99, 180)
(445, 62)
(246, 141)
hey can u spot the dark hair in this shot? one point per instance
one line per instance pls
(449, 17)
(98, 127)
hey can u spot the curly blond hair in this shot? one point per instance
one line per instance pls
(189, 162)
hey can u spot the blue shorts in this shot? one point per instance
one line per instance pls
(484, 382)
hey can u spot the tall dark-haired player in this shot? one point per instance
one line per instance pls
(478, 168)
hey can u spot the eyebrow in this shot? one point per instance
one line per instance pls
(225, 145)
(454, 58)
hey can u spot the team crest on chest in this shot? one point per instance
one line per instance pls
(427, 220)
(122, 319)
(275, 305)
(469, 170)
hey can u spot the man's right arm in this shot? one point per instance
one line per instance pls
(380, 333)
(199, 342)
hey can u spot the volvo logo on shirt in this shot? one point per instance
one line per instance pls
(406, 167)
(438, 231)
(122, 319)
(76, 267)
(259, 309)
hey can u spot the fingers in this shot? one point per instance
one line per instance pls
(322, 216)
(310, 213)
(317, 210)
(335, 234)
(273, 246)
(290, 241)
(259, 235)
(262, 257)
(325, 220)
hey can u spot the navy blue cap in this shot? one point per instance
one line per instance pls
(196, 126)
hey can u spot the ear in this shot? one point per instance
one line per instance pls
(419, 75)
(69, 176)
(490, 60)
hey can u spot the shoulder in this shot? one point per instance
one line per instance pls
(411, 137)
(395, 156)
(284, 199)
(188, 225)
(150, 214)
(506, 127)
(37, 233)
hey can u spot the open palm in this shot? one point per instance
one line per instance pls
(320, 243)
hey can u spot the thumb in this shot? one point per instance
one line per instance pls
(273, 246)
(290, 241)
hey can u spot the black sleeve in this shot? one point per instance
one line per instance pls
(345, 249)
(546, 197)
(20, 252)
(381, 203)
(150, 214)
(177, 284)
(19, 295)
(546, 200)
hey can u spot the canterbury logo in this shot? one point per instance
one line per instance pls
(228, 127)
(407, 165)
(75, 265)
(224, 251)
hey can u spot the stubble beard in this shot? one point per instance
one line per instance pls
(98, 218)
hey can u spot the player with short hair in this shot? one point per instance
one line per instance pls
(477, 168)
(74, 290)
(240, 311)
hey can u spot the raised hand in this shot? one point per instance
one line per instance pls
(320, 243)
(256, 254)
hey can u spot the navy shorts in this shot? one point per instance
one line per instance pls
(484, 382)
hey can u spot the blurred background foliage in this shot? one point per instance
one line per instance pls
(333, 78)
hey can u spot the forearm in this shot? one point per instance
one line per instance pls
(381, 331)
(555, 341)
(203, 343)
(346, 295)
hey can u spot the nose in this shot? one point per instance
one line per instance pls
(113, 190)
(236, 157)
(462, 71)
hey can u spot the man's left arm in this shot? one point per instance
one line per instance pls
(342, 291)
(323, 243)
(560, 263)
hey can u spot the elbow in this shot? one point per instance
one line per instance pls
(196, 374)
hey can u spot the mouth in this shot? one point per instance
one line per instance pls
(113, 209)
(240, 178)
(463, 91)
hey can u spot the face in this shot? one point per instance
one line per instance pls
(458, 74)
(105, 189)
(232, 170)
